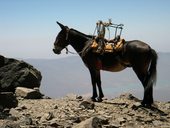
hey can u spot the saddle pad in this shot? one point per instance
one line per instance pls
(119, 45)
(109, 47)
(94, 44)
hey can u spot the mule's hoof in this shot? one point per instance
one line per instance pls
(93, 99)
(146, 105)
(98, 99)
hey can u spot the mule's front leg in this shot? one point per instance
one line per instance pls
(98, 78)
(93, 80)
(94, 95)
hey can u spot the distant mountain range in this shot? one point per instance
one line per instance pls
(69, 75)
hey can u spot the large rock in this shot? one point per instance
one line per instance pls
(27, 93)
(8, 99)
(15, 73)
(2, 61)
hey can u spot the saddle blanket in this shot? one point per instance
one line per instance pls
(109, 46)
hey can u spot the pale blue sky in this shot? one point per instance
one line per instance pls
(28, 27)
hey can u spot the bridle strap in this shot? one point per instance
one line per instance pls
(67, 33)
(67, 51)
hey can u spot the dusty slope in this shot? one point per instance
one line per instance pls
(75, 111)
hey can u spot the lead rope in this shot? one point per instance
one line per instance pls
(67, 51)
(75, 53)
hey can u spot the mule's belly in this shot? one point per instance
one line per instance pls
(113, 68)
(112, 63)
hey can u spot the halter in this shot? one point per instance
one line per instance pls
(67, 51)
(67, 33)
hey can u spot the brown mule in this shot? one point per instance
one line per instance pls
(135, 54)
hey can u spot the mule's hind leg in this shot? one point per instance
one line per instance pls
(150, 78)
(148, 96)
(148, 91)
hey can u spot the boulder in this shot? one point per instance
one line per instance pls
(2, 61)
(15, 73)
(27, 93)
(8, 100)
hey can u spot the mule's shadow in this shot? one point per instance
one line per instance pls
(153, 110)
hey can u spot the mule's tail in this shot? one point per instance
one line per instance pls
(152, 70)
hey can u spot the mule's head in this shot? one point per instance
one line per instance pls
(61, 41)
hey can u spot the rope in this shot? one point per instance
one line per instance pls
(75, 53)
(94, 31)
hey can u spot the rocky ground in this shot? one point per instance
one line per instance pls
(75, 111)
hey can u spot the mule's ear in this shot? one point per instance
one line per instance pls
(61, 25)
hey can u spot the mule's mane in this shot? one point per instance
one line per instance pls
(89, 36)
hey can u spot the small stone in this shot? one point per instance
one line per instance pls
(136, 105)
(110, 126)
(129, 118)
(87, 105)
(71, 96)
(129, 97)
(93, 122)
(121, 120)
(45, 97)
(20, 108)
(55, 107)
(79, 97)
(74, 119)
(14, 112)
(27, 121)
(157, 123)
(47, 116)
(54, 124)
(10, 124)
(6, 110)
(37, 89)
(13, 118)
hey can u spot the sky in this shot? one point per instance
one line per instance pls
(28, 27)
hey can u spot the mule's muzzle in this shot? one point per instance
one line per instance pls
(56, 51)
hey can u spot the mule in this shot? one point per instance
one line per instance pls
(135, 54)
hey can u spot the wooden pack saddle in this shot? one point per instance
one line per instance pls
(110, 46)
